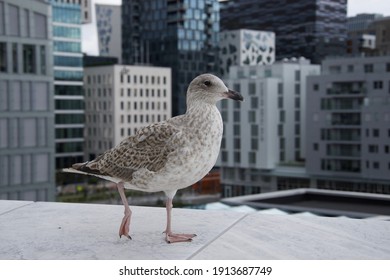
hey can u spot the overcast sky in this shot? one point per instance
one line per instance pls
(354, 7)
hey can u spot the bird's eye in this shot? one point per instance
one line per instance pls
(207, 83)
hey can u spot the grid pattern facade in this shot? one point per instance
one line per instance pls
(266, 131)
(349, 123)
(309, 28)
(122, 99)
(26, 102)
(180, 34)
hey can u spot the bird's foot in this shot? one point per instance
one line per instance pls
(125, 226)
(178, 237)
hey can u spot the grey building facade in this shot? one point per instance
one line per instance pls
(309, 28)
(26, 101)
(348, 125)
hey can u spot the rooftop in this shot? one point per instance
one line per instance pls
(49, 230)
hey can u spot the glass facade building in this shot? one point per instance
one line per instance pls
(313, 29)
(181, 34)
(68, 82)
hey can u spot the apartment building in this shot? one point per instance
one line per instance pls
(348, 125)
(265, 134)
(121, 99)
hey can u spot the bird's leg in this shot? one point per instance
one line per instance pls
(125, 225)
(171, 237)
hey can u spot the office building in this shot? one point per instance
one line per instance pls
(121, 99)
(180, 34)
(68, 82)
(310, 28)
(245, 47)
(265, 135)
(348, 125)
(108, 22)
(26, 101)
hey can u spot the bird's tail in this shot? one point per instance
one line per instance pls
(74, 169)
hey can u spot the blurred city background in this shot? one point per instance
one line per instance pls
(78, 76)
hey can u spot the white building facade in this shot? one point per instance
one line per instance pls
(245, 47)
(266, 131)
(121, 99)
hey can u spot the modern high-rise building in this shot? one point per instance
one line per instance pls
(121, 99)
(245, 47)
(267, 133)
(309, 28)
(109, 29)
(68, 82)
(180, 34)
(348, 125)
(26, 101)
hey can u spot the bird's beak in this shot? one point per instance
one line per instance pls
(231, 94)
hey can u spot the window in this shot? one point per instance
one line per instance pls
(254, 144)
(297, 75)
(252, 88)
(236, 116)
(237, 157)
(350, 68)
(15, 60)
(297, 89)
(42, 54)
(315, 146)
(252, 158)
(3, 57)
(368, 68)
(387, 67)
(252, 116)
(225, 157)
(255, 130)
(378, 84)
(236, 130)
(373, 149)
(280, 88)
(316, 87)
(237, 143)
(375, 132)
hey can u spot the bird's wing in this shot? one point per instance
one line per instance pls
(149, 149)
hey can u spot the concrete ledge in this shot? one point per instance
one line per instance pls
(46, 230)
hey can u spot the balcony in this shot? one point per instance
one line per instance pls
(47, 230)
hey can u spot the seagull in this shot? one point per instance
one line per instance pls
(169, 155)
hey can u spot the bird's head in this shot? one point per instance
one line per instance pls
(207, 88)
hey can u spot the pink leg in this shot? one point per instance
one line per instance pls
(125, 225)
(171, 237)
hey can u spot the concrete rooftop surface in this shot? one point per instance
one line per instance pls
(49, 230)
